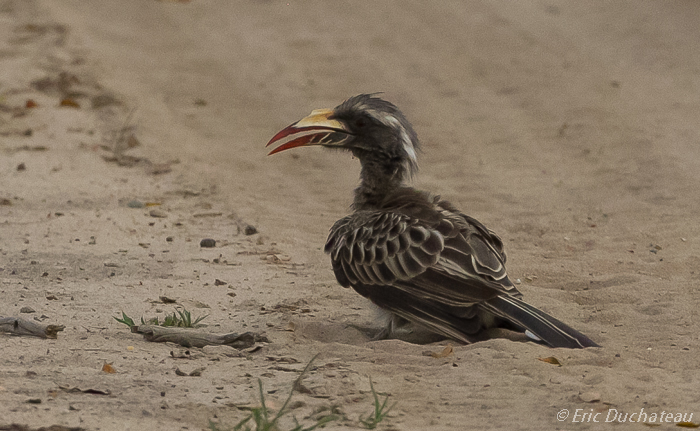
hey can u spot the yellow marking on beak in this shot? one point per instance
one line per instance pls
(319, 118)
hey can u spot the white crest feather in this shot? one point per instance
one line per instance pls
(393, 122)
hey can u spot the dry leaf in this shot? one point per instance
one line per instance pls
(551, 360)
(70, 103)
(108, 368)
(688, 425)
(447, 351)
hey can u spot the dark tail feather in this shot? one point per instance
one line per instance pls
(545, 327)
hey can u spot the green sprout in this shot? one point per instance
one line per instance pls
(380, 410)
(262, 419)
(179, 318)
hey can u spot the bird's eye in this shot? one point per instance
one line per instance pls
(360, 122)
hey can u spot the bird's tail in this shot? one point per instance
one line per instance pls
(536, 322)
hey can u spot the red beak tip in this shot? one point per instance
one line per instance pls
(299, 141)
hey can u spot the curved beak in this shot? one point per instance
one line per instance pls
(316, 129)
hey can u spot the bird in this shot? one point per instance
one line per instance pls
(412, 253)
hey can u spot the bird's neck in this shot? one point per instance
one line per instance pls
(378, 178)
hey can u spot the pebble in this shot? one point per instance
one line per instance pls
(157, 213)
(590, 397)
(222, 350)
(250, 230)
(207, 243)
(27, 310)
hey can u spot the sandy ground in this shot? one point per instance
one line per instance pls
(571, 129)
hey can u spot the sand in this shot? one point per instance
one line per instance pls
(570, 129)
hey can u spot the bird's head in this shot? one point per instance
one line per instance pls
(374, 130)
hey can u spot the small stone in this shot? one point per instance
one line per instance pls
(135, 204)
(207, 243)
(21, 167)
(197, 372)
(590, 397)
(157, 213)
(169, 239)
(296, 405)
(222, 350)
(27, 310)
(250, 230)
(102, 100)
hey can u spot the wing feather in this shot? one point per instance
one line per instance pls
(449, 260)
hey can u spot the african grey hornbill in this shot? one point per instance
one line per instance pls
(412, 253)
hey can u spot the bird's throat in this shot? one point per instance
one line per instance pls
(377, 180)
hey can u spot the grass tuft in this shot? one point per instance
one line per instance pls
(179, 318)
(128, 321)
(380, 410)
(262, 419)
